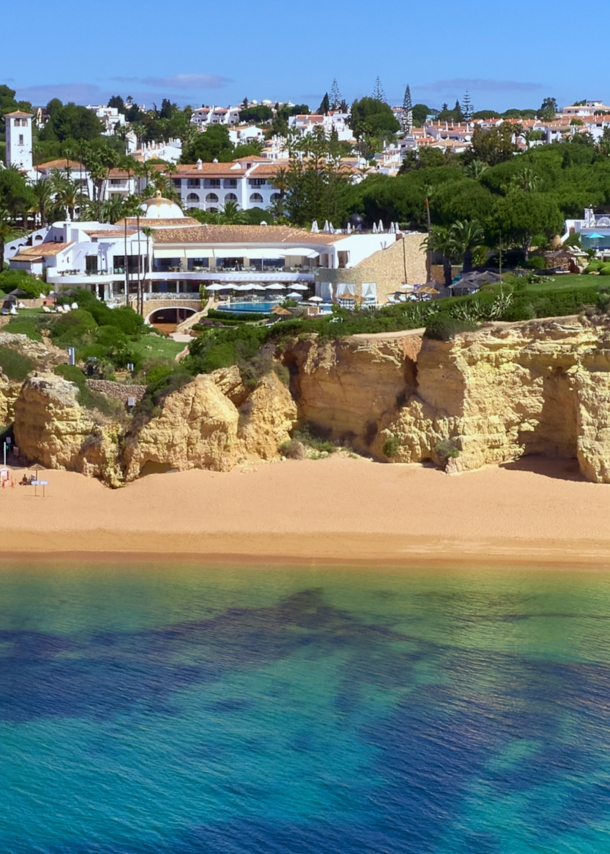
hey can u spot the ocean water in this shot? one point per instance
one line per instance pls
(175, 710)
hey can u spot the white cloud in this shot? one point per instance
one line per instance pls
(187, 81)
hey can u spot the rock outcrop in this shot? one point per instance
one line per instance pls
(53, 429)
(492, 396)
(213, 423)
(348, 386)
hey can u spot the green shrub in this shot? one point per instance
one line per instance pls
(160, 372)
(87, 398)
(292, 449)
(15, 365)
(315, 438)
(111, 336)
(604, 270)
(536, 262)
(444, 328)
(216, 314)
(11, 279)
(594, 266)
(391, 447)
(78, 327)
(446, 450)
(23, 326)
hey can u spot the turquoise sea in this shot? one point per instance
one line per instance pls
(185, 709)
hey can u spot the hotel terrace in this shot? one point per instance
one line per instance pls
(170, 255)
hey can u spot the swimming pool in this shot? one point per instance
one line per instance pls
(259, 307)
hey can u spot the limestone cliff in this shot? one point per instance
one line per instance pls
(508, 390)
(51, 428)
(43, 356)
(201, 426)
(347, 386)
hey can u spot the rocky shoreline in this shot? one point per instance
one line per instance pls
(491, 396)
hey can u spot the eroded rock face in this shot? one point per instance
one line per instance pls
(508, 390)
(200, 425)
(51, 428)
(197, 428)
(348, 386)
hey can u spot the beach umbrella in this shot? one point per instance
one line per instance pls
(276, 287)
(256, 287)
(295, 295)
(298, 287)
(215, 287)
(315, 299)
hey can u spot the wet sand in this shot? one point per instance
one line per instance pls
(335, 510)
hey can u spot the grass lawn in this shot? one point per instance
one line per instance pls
(156, 347)
(572, 280)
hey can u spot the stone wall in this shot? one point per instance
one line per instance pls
(403, 261)
(117, 390)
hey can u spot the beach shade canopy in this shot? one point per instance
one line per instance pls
(298, 287)
(276, 287)
(281, 312)
(428, 290)
(295, 295)
(255, 287)
(315, 299)
(215, 287)
(595, 236)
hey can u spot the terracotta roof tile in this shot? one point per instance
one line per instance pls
(268, 234)
(44, 249)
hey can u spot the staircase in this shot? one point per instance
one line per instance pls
(195, 318)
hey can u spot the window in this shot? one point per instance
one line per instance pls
(230, 197)
(115, 182)
(230, 182)
(177, 183)
(257, 182)
(211, 197)
(193, 182)
(193, 199)
(21, 139)
(275, 197)
(256, 199)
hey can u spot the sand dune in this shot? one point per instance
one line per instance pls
(338, 509)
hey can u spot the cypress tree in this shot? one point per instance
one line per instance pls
(378, 93)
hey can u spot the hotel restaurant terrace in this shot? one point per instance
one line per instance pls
(168, 256)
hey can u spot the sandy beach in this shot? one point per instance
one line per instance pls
(339, 509)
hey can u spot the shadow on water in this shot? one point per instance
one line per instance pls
(440, 736)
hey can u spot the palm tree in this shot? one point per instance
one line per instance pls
(467, 236)
(475, 169)
(281, 182)
(148, 233)
(42, 194)
(7, 232)
(441, 240)
(65, 190)
(232, 215)
(526, 179)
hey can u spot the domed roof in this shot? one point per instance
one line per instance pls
(160, 208)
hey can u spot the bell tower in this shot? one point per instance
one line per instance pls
(19, 140)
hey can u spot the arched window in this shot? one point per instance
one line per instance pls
(275, 197)
(193, 198)
(230, 197)
(256, 199)
(211, 197)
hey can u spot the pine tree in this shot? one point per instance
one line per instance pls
(378, 93)
(467, 107)
(335, 96)
(324, 106)
(407, 111)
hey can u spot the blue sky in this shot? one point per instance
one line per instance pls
(507, 54)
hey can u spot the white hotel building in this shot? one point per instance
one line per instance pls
(209, 186)
(182, 254)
